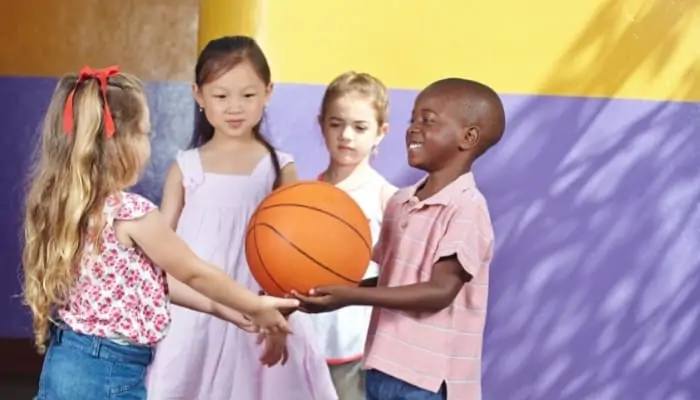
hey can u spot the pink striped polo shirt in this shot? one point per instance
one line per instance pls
(421, 348)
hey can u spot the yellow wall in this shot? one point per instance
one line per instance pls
(612, 48)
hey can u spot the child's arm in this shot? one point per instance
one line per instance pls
(160, 243)
(173, 196)
(439, 292)
(171, 206)
(457, 261)
(288, 174)
(184, 296)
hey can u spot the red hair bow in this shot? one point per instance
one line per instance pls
(101, 75)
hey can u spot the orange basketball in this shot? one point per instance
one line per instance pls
(307, 234)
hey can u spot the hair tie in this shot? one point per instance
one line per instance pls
(101, 75)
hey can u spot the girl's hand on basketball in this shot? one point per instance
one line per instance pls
(269, 317)
(275, 348)
(285, 311)
(322, 299)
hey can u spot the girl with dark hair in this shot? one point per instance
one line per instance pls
(209, 195)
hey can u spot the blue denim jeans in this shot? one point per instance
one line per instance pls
(78, 367)
(380, 386)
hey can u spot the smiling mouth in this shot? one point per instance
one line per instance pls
(414, 146)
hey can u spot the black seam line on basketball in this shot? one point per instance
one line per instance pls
(307, 254)
(284, 189)
(254, 218)
(324, 212)
(262, 263)
(289, 186)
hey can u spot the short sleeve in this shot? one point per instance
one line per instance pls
(469, 236)
(133, 206)
(284, 158)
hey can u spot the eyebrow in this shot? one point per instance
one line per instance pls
(424, 110)
(359, 121)
(249, 87)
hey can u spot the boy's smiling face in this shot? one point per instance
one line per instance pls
(433, 137)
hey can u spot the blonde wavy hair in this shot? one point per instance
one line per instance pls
(360, 83)
(70, 182)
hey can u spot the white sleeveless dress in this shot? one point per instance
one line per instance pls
(342, 333)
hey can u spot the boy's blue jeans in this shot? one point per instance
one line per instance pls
(380, 386)
(78, 367)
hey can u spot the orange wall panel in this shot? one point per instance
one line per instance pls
(155, 39)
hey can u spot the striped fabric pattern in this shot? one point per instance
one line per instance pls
(426, 349)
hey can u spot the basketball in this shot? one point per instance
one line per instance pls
(307, 234)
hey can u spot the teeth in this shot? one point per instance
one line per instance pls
(415, 145)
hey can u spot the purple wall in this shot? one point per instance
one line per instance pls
(596, 282)
(23, 102)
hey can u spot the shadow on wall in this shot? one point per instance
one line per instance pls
(596, 282)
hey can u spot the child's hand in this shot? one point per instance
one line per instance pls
(229, 315)
(286, 311)
(269, 317)
(275, 349)
(322, 299)
(244, 323)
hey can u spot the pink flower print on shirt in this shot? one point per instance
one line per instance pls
(109, 298)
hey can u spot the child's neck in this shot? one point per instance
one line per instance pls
(438, 180)
(347, 177)
(223, 142)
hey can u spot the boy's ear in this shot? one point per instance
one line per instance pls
(471, 136)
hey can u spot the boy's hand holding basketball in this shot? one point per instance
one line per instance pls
(268, 315)
(324, 299)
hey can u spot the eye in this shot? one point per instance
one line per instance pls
(248, 95)
(361, 128)
(219, 96)
(334, 125)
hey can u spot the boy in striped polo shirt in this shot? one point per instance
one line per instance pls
(434, 251)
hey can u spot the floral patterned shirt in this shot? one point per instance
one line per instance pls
(119, 293)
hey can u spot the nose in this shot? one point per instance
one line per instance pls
(347, 133)
(233, 106)
(412, 128)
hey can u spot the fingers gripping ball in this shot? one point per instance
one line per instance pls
(307, 234)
